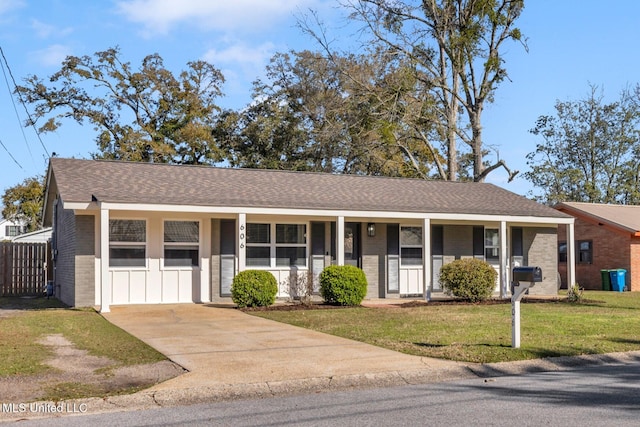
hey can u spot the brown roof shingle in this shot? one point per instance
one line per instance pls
(622, 216)
(146, 183)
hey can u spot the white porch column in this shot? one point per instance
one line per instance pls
(242, 242)
(571, 255)
(105, 283)
(504, 261)
(340, 240)
(426, 259)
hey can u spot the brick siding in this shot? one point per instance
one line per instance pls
(65, 232)
(611, 249)
(541, 250)
(85, 257)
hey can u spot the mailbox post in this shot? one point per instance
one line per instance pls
(523, 279)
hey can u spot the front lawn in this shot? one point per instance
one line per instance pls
(21, 353)
(607, 322)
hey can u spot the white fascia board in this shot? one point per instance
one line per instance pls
(317, 213)
(80, 206)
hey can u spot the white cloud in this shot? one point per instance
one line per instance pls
(7, 5)
(52, 55)
(159, 16)
(241, 55)
(44, 31)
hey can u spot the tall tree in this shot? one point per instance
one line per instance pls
(137, 113)
(342, 114)
(455, 47)
(23, 203)
(589, 151)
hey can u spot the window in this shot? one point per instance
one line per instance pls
(127, 243)
(181, 243)
(258, 245)
(585, 251)
(289, 246)
(562, 252)
(410, 246)
(491, 244)
(14, 230)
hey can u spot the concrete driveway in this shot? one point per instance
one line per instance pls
(224, 347)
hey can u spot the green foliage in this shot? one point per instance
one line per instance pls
(254, 288)
(469, 279)
(588, 151)
(343, 285)
(139, 114)
(23, 203)
(574, 293)
(457, 64)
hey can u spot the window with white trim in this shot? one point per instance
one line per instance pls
(181, 243)
(14, 230)
(410, 246)
(258, 252)
(127, 243)
(287, 249)
(291, 245)
(491, 244)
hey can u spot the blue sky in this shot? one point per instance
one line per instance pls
(572, 43)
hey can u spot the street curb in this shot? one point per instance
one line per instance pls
(164, 398)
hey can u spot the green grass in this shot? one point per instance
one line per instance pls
(607, 322)
(22, 355)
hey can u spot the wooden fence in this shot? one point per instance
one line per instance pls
(23, 268)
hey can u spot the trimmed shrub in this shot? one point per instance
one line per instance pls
(343, 285)
(469, 279)
(254, 288)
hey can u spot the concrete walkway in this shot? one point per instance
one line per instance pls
(225, 349)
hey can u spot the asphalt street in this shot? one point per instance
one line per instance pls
(593, 396)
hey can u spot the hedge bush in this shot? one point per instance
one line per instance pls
(469, 279)
(343, 285)
(254, 288)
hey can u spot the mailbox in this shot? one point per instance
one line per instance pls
(527, 274)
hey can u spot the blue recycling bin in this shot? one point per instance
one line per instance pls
(617, 279)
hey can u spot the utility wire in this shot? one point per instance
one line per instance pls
(10, 155)
(24, 105)
(4, 73)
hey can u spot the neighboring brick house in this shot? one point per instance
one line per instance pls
(142, 233)
(606, 237)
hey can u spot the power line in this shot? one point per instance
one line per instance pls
(15, 110)
(31, 121)
(10, 155)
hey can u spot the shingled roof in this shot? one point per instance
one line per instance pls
(626, 217)
(147, 183)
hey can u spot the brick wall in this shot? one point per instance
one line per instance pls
(85, 257)
(633, 276)
(541, 250)
(457, 242)
(65, 231)
(374, 251)
(611, 249)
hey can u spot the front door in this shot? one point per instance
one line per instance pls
(352, 244)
